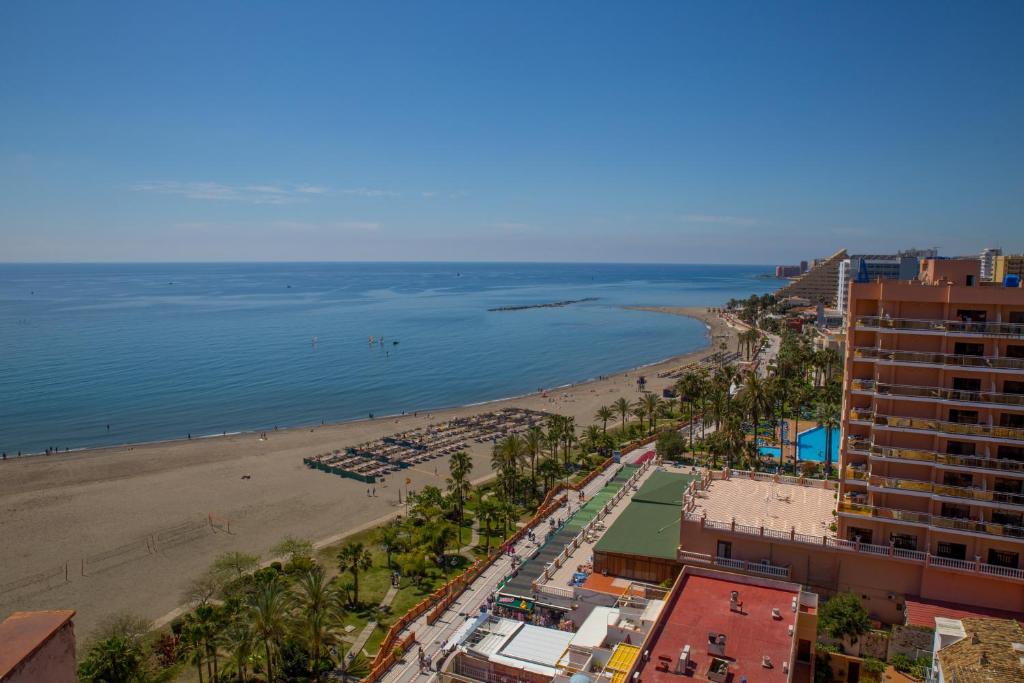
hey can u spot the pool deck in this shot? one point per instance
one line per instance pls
(789, 449)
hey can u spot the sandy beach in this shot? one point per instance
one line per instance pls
(138, 515)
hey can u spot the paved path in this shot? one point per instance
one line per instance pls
(430, 638)
(367, 631)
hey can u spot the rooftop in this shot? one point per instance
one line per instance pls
(649, 525)
(756, 502)
(517, 644)
(23, 633)
(919, 612)
(991, 652)
(700, 606)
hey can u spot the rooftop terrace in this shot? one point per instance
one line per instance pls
(760, 501)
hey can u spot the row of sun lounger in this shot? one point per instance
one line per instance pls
(709, 363)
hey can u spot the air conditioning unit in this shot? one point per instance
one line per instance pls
(766, 662)
(776, 613)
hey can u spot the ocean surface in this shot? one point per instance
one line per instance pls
(103, 354)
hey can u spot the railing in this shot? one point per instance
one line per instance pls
(938, 393)
(978, 527)
(987, 362)
(838, 545)
(951, 326)
(858, 444)
(855, 473)
(970, 493)
(1002, 465)
(959, 428)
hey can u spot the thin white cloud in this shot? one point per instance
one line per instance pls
(311, 189)
(711, 219)
(250, 194)
(428, 195)
(368, 192)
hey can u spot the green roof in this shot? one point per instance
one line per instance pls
(664, 487)
(646, 529)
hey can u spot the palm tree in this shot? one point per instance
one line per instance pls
(651, 404)
(318, 615)
(486, 514)
(353, 558)
(623, 407)
(203, 627)
(267, 616)
(755, 399)
(238, 640)
(549, 471)
(117, 658)
(604, 413)
(389, 538)
(568, 436)
(458, 484)
(689, 387)
(592, 438)
(534, 447)
(826, 413)
(640, 413)
(437, 537)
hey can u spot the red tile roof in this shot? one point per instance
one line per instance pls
(920, 612)
(701, 606)
(22, 633)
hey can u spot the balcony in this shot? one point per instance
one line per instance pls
(923, 518)
(870, 353)
(858, 445)
(957, 428)
(957, 327)
(857, 472)
(947, 459)
(937, 393)
(963, 492)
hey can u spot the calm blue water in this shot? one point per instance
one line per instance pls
(161, 350)
(811, 444)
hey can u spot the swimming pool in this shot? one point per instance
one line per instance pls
(812, 446)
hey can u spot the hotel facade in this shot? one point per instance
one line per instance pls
(930, 499)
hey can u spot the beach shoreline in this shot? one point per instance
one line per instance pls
(61, 509)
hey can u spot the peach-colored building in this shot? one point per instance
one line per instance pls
(930, 501)
(38, 646)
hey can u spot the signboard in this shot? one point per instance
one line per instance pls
(513, 602)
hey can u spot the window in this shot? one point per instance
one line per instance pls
(1014, 351)
(1013, 387)
(903, 541)
(969, 315)
(858, 534)
(1015, 519)
(955, 551)
(966, 384)
(957, 479)
(1003, 558)
(965, 349)
(724, 549)
(1012, 420)
(1015, 453)
(1016, 318)
(1008, 486)
(967, 417)
(970, 281)
(961, 447)
(955, 511)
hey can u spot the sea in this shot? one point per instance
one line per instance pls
(103, 354)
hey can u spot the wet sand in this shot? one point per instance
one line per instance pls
(139, 513)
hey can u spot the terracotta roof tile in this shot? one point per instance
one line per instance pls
(987, 654)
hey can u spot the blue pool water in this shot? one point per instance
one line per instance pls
(812, 446)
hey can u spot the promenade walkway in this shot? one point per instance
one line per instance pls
(431, 638)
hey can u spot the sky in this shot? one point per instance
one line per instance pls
(684, 132)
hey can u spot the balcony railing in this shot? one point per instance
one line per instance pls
(951, 359)
(958, 428)
(967, 492)
(856, 472)
(988, 528)
(833, 544)
(937, 393)
(1000, 465)
(949, 326)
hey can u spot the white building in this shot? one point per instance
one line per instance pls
(902, 266)
(988, 263)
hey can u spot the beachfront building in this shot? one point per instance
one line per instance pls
(1010, 264)
(819, 283)
(902, 266)
(933, 424)
(717, 626)
(986, 263)
(38, 646)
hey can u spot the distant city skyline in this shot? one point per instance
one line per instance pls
(667, 132)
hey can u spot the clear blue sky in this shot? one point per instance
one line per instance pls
(671, 132)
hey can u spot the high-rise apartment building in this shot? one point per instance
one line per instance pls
(871, 268)
(987, 260)
(1010, 264)
(933, 419)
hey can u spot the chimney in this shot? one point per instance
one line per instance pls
(776, 613)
